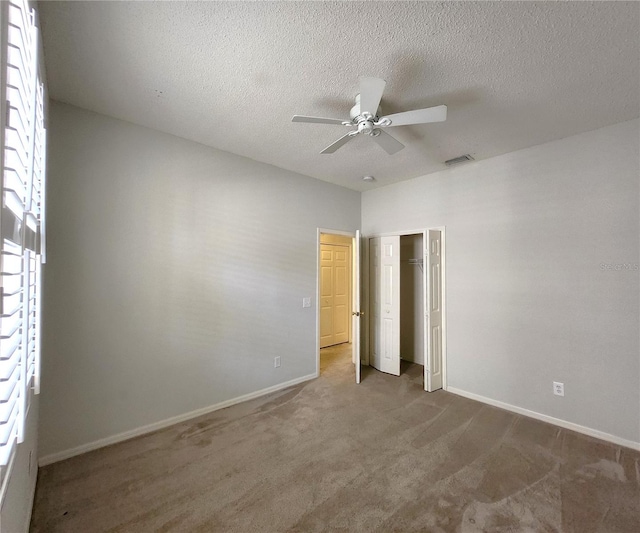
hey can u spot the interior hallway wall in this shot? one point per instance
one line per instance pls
(175, 275)
(534, 293)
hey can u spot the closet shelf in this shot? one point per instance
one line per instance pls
(418, 262)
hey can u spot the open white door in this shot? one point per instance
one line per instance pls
(433, 331)
(356, 313)
(385, 304)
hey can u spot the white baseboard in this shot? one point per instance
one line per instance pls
(101, 443)
(550, 419)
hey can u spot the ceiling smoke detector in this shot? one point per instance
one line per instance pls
(458, 160)
(368, 178)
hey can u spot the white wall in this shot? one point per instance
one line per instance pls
(411, 300)
(528, 302)
(175, 275)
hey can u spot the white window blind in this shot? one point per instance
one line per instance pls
(21, 223)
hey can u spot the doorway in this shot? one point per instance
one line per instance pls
(338, 307)
(406, 300)
(335, 289)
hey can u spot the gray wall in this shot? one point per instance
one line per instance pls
(528, 301)
(175, 274)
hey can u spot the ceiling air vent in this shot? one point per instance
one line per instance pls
(457, 160)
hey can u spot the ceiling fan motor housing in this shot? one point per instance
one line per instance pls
(355, 112)
(364, 123)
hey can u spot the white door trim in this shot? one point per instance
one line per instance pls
(356, 313)
(317, 306)
(365, 329)
(443, 244)
(366, 301)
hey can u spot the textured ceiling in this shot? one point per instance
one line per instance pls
(231, 75)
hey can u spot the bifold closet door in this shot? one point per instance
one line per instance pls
(385, 303)
(433, 363)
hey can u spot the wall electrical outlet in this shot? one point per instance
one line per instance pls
(276, 362)
(558, 388)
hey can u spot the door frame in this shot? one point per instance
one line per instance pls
(342, 233)
(366, 300)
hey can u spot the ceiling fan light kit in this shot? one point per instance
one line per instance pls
(366, 118)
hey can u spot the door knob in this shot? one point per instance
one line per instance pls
(355, 313)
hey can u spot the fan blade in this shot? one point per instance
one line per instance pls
(418, 116)
(341, 141)
(371, 90)
(388, 143)
(316, 120)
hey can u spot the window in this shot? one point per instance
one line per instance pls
(21, 222)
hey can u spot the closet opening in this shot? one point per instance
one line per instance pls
(412, 305)
(406, 302)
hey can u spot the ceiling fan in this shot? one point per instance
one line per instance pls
(365, 117)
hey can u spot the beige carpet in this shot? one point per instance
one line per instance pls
(332, 456)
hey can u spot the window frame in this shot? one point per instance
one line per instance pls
(25, 230)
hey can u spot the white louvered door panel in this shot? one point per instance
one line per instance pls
(21, 223)
(11, 348)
